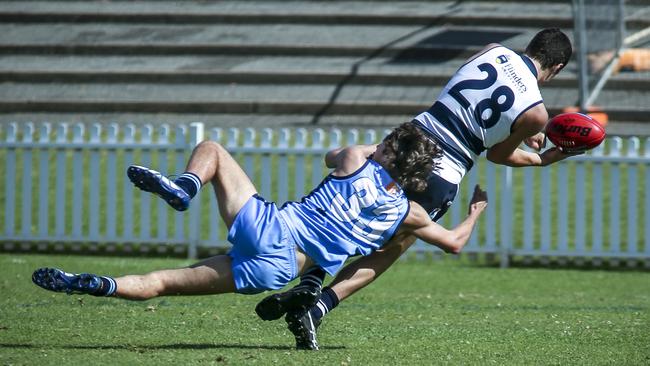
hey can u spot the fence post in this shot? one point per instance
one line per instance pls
(506, 217)
(283, 179)
(490, 215)
(10, 181)
(94, 186)
(266, 167)
(529, 213)
(562, 213)
(352, 137)
(61, 173)
(197, 130)
(580, 222)
(146, 139)
(250, 135)
(300, 146)
(44, 181)
(646, 213)
(26, 219)
(633, 150)
(318, 138)
(112, 133)
(128, 196)
(78, 131)
(597, 206)
(615, 203)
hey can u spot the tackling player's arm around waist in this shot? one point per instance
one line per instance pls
(418, 221)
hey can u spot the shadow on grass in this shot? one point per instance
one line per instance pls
(174, 346)
(491, 260)
(571, 264)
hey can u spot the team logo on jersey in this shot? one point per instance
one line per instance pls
(502, 59)
(511, 73)
(392, 188)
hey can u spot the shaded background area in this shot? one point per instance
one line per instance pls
(298, 63)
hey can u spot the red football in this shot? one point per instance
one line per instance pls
(573, 132)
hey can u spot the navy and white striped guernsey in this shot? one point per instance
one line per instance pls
(477, 107)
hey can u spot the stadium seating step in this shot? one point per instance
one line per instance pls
(328, 62)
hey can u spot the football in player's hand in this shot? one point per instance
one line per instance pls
(574, 132)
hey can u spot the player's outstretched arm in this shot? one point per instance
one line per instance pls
(451, 241)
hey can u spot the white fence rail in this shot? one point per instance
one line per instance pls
(65, 186)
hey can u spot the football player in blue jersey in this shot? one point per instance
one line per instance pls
(493, 104)
(354, 211)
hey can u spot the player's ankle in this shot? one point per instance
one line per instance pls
(190, 183)
(107, 288)
(328, 301)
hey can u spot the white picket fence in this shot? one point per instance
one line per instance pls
(66, 188)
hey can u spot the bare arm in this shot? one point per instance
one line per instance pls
(451, 241)
(528, 128)
(332, 158)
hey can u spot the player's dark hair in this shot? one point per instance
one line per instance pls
(411, 156)
(550, 47)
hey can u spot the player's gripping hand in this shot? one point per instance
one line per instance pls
(478, 202)
(554, 154)
(537, 142)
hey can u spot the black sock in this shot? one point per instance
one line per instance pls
(312, 278)
(190, 183)
(107, 288)
(328, 301)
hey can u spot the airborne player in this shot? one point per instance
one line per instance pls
(354, 211)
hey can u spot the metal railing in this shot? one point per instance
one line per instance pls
(599, 31)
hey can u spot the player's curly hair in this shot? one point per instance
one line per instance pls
(411, 156)
(550, 47)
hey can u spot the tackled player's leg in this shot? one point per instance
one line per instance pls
(352, 278)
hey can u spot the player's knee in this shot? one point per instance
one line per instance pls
(213, 146)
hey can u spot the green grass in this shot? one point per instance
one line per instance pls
(419, 312)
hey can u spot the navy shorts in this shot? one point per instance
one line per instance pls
(436, 198)
(263, 253)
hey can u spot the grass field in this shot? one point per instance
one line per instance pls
(420, 312)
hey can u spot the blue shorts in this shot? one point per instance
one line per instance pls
(263, 253)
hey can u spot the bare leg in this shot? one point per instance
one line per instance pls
(364, 270)
(211, 276)
(212, 163)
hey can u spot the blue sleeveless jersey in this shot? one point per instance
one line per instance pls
(347, 216)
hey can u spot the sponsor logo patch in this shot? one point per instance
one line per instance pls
(502, 59)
